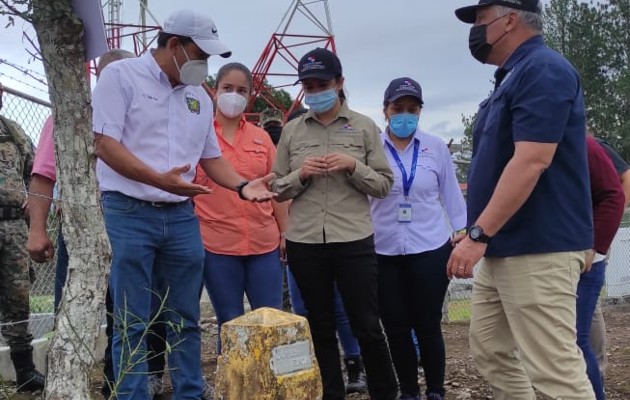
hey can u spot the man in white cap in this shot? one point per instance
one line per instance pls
(152, 123)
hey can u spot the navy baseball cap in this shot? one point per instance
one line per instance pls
(320, 64)
(401, 87)
(468, 14)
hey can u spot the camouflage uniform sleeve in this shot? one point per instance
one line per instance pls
(25, 144)
(29, 158)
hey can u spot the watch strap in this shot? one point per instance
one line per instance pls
(239, 189)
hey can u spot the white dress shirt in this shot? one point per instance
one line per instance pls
(163, 126)
(435, 198)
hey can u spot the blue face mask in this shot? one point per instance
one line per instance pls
(403, 125)
(322, 101)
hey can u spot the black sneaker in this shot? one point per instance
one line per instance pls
(357, 382)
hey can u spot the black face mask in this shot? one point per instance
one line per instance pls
(477, 41)
(274, 132)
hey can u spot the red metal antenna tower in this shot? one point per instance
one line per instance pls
(277, 66)
(141, 34)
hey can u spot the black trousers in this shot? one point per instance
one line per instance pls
(411, 290)
(352, 265)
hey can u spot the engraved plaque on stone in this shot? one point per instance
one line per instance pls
(291, 358)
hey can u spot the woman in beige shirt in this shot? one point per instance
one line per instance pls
(328, 161)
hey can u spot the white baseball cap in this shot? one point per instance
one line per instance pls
(200, 28)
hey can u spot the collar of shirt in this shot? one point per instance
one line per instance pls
(416, 136)
(344, 112)
(516, 56)
(149, 60)
(219, 131)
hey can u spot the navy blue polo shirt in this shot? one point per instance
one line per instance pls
(539, 100)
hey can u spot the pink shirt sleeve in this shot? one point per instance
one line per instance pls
(44, 163)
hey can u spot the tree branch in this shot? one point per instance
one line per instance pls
(13, 11)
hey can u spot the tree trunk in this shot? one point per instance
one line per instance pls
(72, 352)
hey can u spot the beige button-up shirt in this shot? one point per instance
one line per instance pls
(334, 207)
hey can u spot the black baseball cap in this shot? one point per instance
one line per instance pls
(401, 87)
(468, 14)
(320, 64)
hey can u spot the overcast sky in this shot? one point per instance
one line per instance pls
(376, 41)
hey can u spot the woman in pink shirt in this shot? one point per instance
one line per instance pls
(242, 239)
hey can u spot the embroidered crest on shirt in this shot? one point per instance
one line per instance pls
(347, 128)
(193, 105)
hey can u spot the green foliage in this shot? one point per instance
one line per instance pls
(468, 122)
(462, 163)
(42, 304)
(595, 37)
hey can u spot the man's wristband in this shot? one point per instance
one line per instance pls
(239, 189)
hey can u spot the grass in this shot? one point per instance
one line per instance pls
(459, 310)
(42, 304)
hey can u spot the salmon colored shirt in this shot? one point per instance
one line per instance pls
(229, 225)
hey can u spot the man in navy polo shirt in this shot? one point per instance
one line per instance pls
(529, 209)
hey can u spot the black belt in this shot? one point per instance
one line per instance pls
(164, 204)
(7, 213)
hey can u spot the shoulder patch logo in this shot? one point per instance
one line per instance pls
(193, 105)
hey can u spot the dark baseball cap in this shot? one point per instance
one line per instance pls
(469, 14)
(296, 113)
(320, 64)
(401, 87)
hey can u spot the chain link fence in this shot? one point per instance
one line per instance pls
(616, 288)
(30, 113)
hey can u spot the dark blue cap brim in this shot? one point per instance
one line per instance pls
(468, 14)
(325, 76)
(399, 95)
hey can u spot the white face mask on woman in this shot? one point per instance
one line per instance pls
(231, 104)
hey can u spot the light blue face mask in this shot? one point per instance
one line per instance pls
(403, 125)
(322, 101)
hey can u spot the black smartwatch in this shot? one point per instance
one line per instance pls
(476, 234)
(239, 189)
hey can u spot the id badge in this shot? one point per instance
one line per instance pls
(404, 212)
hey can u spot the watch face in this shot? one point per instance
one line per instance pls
(475, 233)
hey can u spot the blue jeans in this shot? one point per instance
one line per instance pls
(61, 268)
(228, 278)
(349, 343)
(154, 247)
(589, 287)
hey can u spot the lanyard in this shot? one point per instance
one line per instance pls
(414, 163)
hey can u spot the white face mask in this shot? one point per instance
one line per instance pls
(231, 104)
(192, 72)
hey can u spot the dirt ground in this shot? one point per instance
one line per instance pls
(463, 381)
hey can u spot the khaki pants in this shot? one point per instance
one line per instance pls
(598, 337)
(522, 333)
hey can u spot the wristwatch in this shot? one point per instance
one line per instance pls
(239, 189)
(476, 234)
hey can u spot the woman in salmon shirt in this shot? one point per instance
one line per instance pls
(242, 239)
